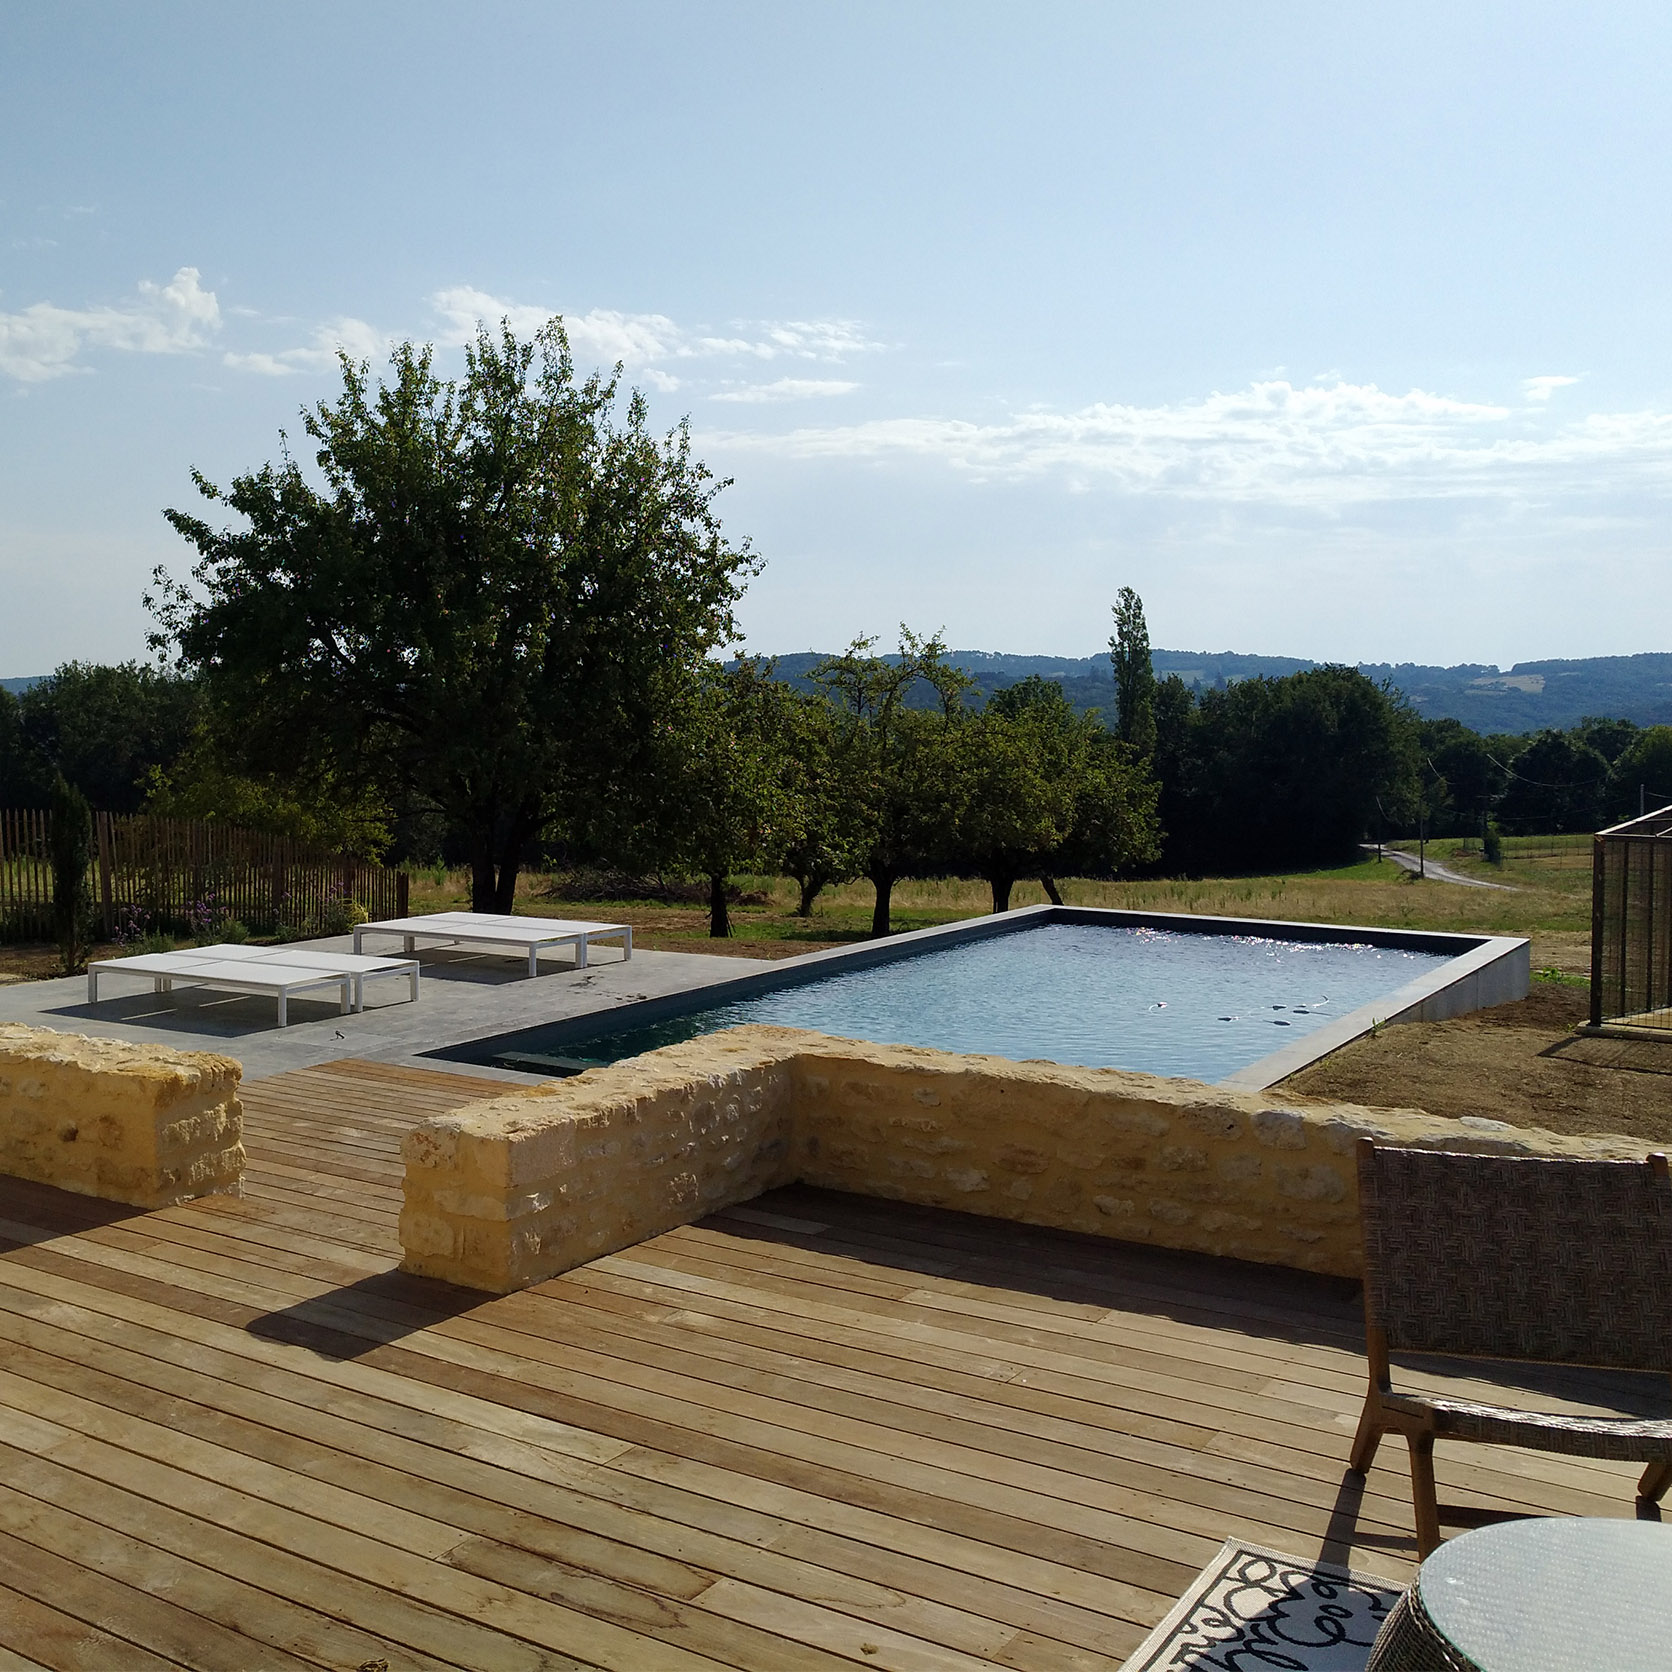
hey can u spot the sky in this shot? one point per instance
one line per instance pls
(1336, 330)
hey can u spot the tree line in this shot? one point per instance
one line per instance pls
(486, 626)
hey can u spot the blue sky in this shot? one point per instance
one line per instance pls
(1337, 330)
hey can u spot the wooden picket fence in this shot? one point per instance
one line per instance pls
(184, 876)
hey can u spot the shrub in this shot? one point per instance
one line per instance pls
(341, 914)
(72, 893)
(1492, 845)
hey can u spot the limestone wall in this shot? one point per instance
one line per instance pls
(514, 1190)
(131, 1123)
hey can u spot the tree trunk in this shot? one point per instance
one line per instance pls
(1001, 892)
(719, 921)
(484, 883)
(811, 888)
(495, 859)
(883, 882)
(1049, 884)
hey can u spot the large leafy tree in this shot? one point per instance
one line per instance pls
(483, 600)
(1292, 771)
(107, 729)
(1557, 783)
(1643, 774)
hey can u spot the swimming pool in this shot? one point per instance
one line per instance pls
(1093, 994)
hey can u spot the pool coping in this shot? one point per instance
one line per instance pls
(1481, 970)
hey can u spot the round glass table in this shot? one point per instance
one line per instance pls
(1544, 1595)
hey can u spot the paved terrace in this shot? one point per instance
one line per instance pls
(816, 1432)
(463, 995)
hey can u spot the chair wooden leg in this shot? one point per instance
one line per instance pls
(1423, 1496)
(1369, 1436)
(1651, 1489)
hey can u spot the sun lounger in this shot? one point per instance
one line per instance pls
(274, 971)
(531, 935)
(235, 975)
(342, 963)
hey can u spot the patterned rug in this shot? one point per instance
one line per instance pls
(1256, 1610)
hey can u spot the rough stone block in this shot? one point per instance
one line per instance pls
(130, 1123)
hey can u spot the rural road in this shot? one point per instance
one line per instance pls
(1436, 871)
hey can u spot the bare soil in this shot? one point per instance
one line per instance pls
(1520, 1063)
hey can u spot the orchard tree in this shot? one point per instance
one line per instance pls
(822, 837)
(484, 599)
(899, 760)
(729, 797)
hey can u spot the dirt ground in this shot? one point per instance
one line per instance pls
(1518, 1062)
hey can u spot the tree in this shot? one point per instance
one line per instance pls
(1020, 777)
(899, 761)
(484, 604)
(1048, 790)
(822, 837)
(1291, 771)
(1642, 779)
(730, 793)
(72, 856)
(15, 768)
(1129, 650)
(1609, 737)
(108, 730)
(1473, 779)
(324, 812)
(1557, 784)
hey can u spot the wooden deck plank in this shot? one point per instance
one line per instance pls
(813, 1431)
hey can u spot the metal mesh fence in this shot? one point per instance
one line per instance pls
(1631, 923)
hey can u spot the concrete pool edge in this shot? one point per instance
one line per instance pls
(1483, 970)
(1497, 970)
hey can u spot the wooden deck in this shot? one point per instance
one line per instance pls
(816, 1432)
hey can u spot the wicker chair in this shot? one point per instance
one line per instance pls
(1522, 1258)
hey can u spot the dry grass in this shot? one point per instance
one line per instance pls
(1548, 899)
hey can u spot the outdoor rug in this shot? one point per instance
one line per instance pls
(1256, 1610)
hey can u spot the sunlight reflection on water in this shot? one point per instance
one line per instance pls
(1163, 1002)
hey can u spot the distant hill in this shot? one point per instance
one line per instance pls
(1524, 698)
(15, 686)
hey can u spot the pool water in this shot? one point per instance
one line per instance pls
(1162, 1002)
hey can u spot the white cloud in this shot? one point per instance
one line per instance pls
(786, 389)
(605, 335)
(1541, 388)
(46, 341)
(1323, 446)
(358, 339)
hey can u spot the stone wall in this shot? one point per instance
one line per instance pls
(505, 1192)
(131, 1123)
(520, 1188)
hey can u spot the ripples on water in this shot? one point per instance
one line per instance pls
(1196, 1005)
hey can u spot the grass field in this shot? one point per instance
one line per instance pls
(1547, 898)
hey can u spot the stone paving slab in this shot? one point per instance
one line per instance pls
(462, 996)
